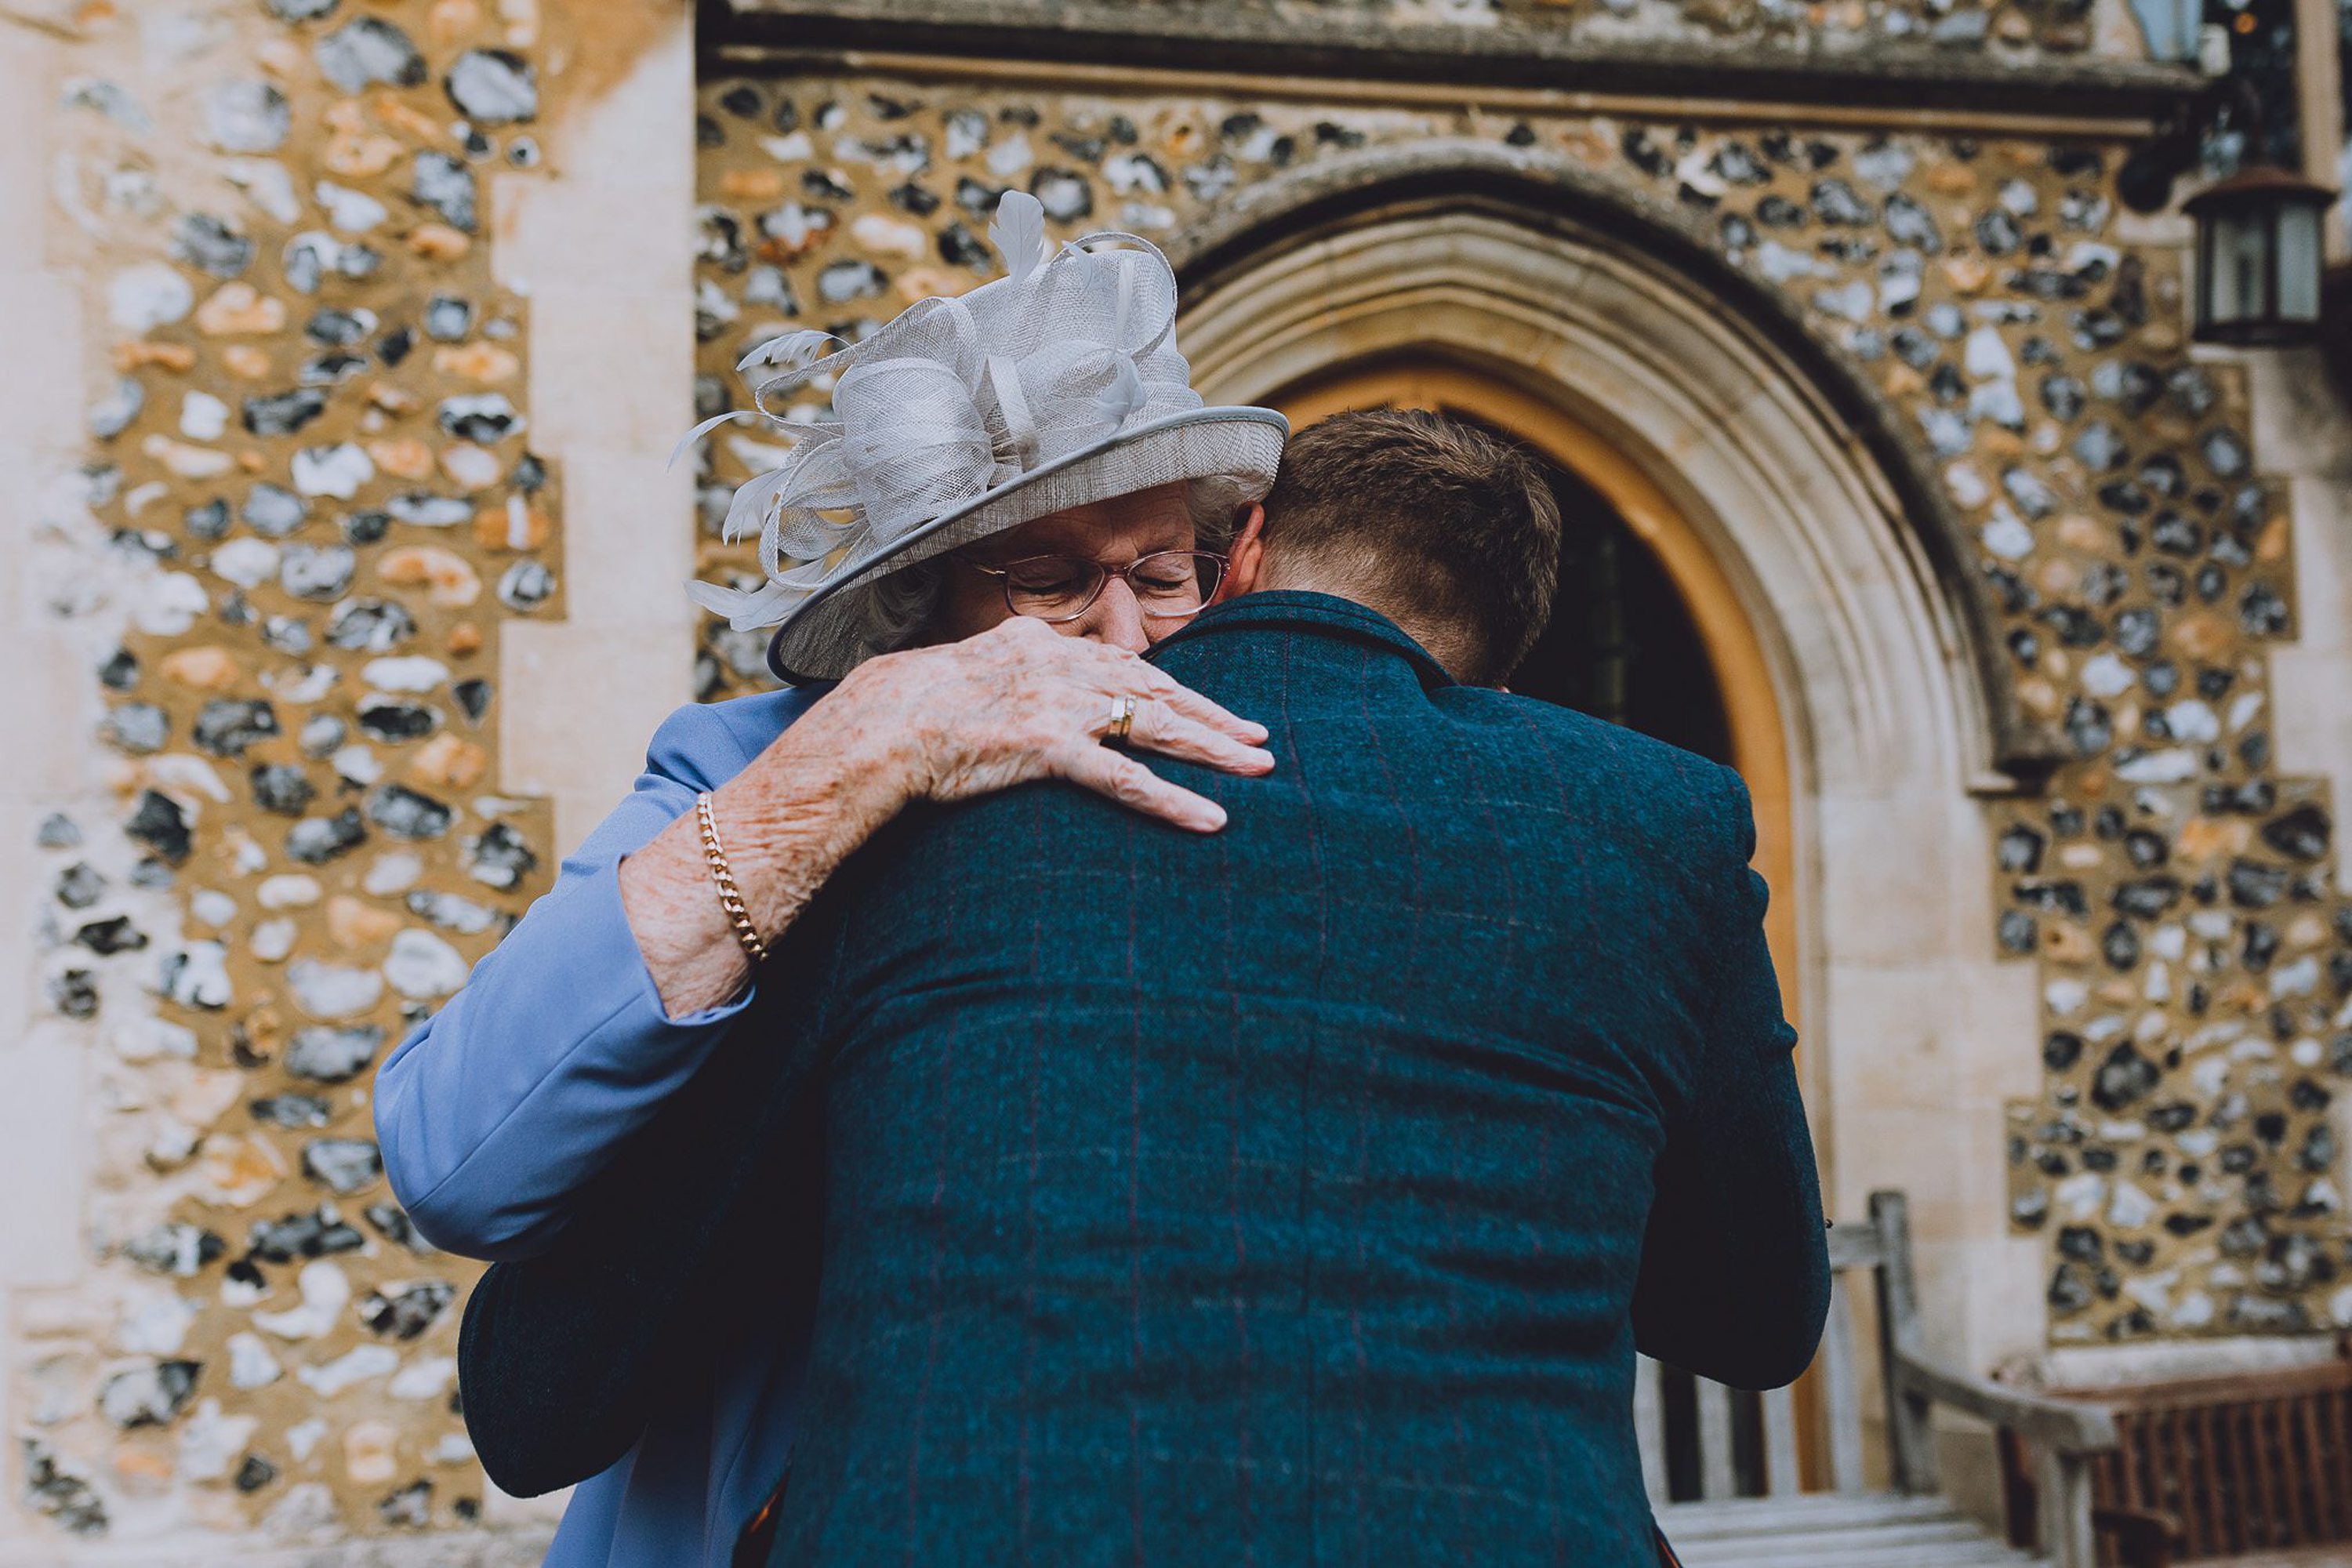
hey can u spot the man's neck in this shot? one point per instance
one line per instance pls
(1445, 644)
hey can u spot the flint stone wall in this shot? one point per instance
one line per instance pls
(309, 503)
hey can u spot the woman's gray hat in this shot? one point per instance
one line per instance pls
(1056, 385)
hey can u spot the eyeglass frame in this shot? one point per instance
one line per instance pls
(1004, 576)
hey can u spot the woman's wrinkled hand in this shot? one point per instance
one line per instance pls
(1014, 703)
(1021, 701)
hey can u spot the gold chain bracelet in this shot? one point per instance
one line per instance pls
(731, 898)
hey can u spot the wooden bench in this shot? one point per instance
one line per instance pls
(2253, 1462)
(1723, 1471)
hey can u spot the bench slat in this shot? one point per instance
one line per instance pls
(1828, 1530)
(1650, 1428)
(1867, 1549)
(1812, 1513)
(1715, 1479)
(1781, 1442)
(1926, 1532)
(1841, 1393)
(1980, 1552)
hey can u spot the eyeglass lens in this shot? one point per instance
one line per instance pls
(1171, 584)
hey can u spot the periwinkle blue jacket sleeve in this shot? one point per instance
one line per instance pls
(493, 1112)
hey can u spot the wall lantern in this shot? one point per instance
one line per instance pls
(2259, 258)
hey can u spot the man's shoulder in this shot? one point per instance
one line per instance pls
(1615, 783)
(1601, 754)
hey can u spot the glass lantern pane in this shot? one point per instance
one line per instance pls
(2299, 263)
(2238, 287)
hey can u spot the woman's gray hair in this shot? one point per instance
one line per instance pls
(1215, 504)
(901, 608)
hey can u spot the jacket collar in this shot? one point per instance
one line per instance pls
(1290, 609)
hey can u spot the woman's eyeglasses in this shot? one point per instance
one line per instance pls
(1168, 585)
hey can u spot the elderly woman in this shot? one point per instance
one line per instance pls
(1025, 460)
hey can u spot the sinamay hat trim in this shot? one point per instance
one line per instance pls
(1053, 386)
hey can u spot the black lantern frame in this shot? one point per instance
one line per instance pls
(2261, 254)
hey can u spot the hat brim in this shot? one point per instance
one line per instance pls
(822, 640)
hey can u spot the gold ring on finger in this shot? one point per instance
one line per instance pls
(1122, 718)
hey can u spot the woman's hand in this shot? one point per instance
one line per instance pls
(1022, 702)
(1015, 703)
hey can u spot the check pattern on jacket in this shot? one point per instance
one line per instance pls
(1282, 1194)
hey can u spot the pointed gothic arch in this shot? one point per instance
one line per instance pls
(1661, 265)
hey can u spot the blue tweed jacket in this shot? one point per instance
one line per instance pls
(1282, 1195)
(1296, 1194)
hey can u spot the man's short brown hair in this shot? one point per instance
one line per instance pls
(1431, 514)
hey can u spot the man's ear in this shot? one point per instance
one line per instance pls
(1245, 558)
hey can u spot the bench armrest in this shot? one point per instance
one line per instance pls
(2063, 1426)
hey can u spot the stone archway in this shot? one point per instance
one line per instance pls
(1894, 712)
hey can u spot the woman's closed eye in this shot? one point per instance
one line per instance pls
(1044, 576)
(1167, 580)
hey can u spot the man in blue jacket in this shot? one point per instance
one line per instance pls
(1294, 1195)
